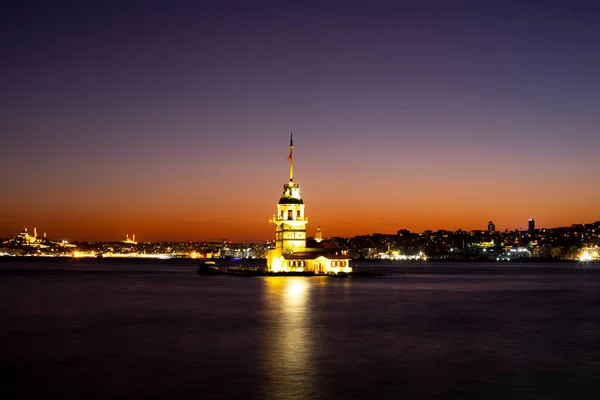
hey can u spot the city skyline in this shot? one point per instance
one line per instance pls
(171, 121)
(490, 228)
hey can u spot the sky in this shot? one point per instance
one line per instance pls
(171, 119)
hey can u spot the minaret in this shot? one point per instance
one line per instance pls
(319, 235)
(290, 233)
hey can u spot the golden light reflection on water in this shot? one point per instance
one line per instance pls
(289, 349)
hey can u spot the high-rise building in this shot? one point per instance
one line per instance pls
(491, 227)
(290, 252)
(531, 225)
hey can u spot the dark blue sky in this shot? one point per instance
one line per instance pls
(136, 106)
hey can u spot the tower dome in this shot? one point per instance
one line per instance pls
(291, 194)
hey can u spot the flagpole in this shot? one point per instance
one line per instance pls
(290, 157)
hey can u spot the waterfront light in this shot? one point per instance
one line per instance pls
(588, 254)
(81, 254)
(585, 256)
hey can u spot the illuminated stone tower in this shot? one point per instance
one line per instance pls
(290, 254)
(290, 233)
(290, 221)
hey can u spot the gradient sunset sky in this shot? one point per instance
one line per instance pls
(171, 119)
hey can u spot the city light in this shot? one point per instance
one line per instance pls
(579, 242)
(589, 254)
(396, 256)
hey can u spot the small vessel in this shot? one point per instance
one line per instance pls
(209, 268)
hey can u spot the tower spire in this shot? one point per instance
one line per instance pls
(290, 158)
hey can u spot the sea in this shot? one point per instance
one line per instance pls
(155, 329)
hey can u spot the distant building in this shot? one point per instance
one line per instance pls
(291, 252)
(491, 227)
(319, 235)
(531, 225)
(129, 240)
(24, 238)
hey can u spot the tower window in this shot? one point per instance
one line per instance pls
(290, 214)
(298, 214)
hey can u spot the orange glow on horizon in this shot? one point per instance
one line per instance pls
(235, 202)
(357, 218)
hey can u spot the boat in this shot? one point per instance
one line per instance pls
(209, 268)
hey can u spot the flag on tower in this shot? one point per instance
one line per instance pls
(289, 157)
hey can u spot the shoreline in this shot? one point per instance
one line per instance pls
(261, 260)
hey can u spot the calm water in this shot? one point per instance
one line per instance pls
(126, 330)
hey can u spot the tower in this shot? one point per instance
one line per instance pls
(290, 231)
(319, 235)
(531, 225)
(290, 254)
(491, 227)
